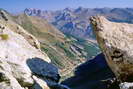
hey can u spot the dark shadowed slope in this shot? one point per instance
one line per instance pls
(93, 74)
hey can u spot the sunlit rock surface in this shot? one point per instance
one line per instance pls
(22, 64)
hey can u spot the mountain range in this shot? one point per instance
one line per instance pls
(75, 22)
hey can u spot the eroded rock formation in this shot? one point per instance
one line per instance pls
(115, 40)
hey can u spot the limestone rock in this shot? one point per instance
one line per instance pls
(40, 84)
(22, 63)
(16, 50)
(16, 28)
(126, 85)
(115, 40)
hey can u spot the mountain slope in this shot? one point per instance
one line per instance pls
(47, 35)
(65, 52)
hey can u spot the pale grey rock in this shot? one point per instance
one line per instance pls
(22, 63)
(16, 50)
(126, 85)
(40, 84)
(17, 29)
(116, 42)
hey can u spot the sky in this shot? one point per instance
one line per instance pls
(20, 5)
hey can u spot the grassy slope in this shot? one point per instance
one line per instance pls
(50, 39)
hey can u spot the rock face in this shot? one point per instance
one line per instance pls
(22, 64)
(115, 40)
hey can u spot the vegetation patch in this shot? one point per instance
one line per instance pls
(4, 36)
(53, 55)
(67, 51)
(91, 49)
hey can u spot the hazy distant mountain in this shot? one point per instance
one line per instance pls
(75, 22)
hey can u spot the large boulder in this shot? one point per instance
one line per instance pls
(43, 69)
(115, 40)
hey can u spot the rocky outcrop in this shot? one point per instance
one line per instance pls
(17, 29)
(22, 64)
(126, 85)
(15, 51)
(115, 40)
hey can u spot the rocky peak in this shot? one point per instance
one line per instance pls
(68, 9)
(33, 12)
(79, 9)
